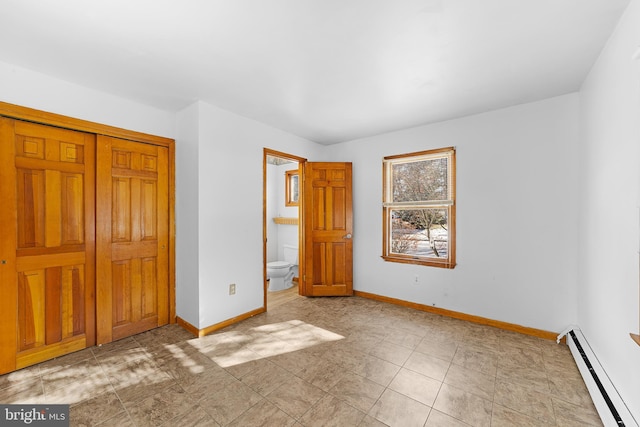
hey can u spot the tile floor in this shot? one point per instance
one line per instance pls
(317, 362)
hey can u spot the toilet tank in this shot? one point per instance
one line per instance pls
(290, 254)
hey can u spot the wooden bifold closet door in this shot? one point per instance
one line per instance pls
(47, 247)
(132, 238)
(85, 240)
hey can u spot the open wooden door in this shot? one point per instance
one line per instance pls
(47, 245)
(132, 245)
(328, 227)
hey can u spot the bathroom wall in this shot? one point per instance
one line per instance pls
(273, 174)
(279, 235)
(287, 234)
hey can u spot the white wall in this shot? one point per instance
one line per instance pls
(287, 234)
(273, 173)
(36, 90)
(609, 200)
(279, 235)
(516, 215)
(230, 209)
(187, 214)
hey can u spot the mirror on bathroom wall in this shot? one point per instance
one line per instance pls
(291, 187)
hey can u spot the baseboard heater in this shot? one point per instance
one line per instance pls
(607, 400)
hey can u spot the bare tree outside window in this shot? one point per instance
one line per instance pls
(418, 205)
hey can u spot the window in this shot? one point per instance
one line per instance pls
(419, 210)
(291, 188)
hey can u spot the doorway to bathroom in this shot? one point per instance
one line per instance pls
(314, 200)
(282, 225)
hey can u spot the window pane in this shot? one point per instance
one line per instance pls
(420, 232)
(420, 181)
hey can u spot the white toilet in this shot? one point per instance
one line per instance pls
(281, 273)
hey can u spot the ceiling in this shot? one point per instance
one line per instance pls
(326, 70)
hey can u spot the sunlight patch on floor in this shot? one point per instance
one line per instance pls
(238, 347)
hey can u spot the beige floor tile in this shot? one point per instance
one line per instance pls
(369, 421)
(404, 339)
(294, 361)
(228, 403)
(162, 407)
(317, 362)
(416, 386)
(345, 356)
(263, 414)
(195, 417)
(477, 359)
(13, 378)
(569, 415)
(331, 412)
(118, 346)
(535, 379)
(395, 409)
(139, 379)
(64, 362)
(79, 382)
(475, 382)
(377, 370)
(522, 358)
(505, 417)
(295, 396)
(441, 349)
(202, 385)
(183, 363)
(390, 352)
(463, 406)
(266, 378)
(323, 374)
(27, 391)
(121, 420)
(570, 390)
(357, 391)
(96, 410)
(430, 366)
(439, 419)
(524, 400)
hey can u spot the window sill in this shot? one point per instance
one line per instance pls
(428, 263)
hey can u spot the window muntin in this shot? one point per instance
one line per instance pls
(419, 208)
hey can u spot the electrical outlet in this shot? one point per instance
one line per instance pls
(232, 289)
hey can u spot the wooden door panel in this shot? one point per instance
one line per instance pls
(48, 186)
(133, 256)
(121, 210)
(72, 209)
(31, 203)
(148, 210)
(31, 316)
(328, 226)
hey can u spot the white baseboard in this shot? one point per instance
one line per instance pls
(610, 406)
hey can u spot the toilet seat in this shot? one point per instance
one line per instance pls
(278, 264)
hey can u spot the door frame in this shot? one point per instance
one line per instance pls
(301, 161)
(65, 122)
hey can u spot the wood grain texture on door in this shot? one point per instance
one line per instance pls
(133, 233)
(328, 228)
(48, 242)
